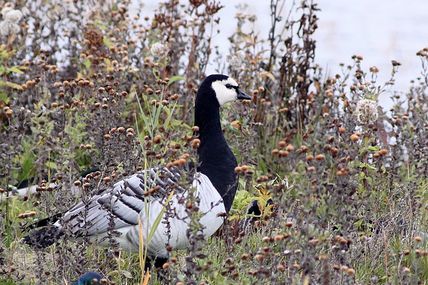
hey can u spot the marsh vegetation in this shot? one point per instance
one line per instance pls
(85, 86)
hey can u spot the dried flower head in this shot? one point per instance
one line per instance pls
(235, 61)
(366, 111)
(158, 49)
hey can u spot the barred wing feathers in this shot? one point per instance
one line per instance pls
(142, 197)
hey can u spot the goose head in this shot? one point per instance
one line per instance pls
(218, 89)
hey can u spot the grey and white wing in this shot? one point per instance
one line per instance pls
(120, 206)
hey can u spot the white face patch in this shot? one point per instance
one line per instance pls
(223, 93)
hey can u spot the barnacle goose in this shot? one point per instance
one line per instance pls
(126, 204)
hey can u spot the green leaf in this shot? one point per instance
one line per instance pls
(87, 63)
(10, 85)
(51, 165)
(4, 97)
(7, 282)
(27, 161)
(373, 148)
(15, 69)
(158, 219)
(109, 65)
(175, 79)
(107, 42)
(126, 274)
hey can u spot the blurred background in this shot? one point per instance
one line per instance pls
(380, 31)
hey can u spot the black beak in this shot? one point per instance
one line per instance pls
(243, 96)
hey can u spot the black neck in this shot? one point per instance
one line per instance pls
(216, 160)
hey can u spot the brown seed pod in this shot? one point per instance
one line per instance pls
(302, 149)
(189, 205)
(278, 237)
(238, 170)
(245, 256)
(320, 157)
(395, 63)
(181, 162)
(236, 124)
(185, 156)
(9, 113)
(195, 143)
(262, 178)
(282, 144)
(417, 238)
(267, 239)
(280, 267)
(157, 139)
(245, 168)
(354, 137)
(174, 97)
(309, 157)
(27, 214)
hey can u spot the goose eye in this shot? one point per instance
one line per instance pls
(229, 86)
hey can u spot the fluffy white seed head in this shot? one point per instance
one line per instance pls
(8, 28)
(366, 111)
(12, 16)
(158, 50)
(5, 10)
(225, 90)
(235, 61)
